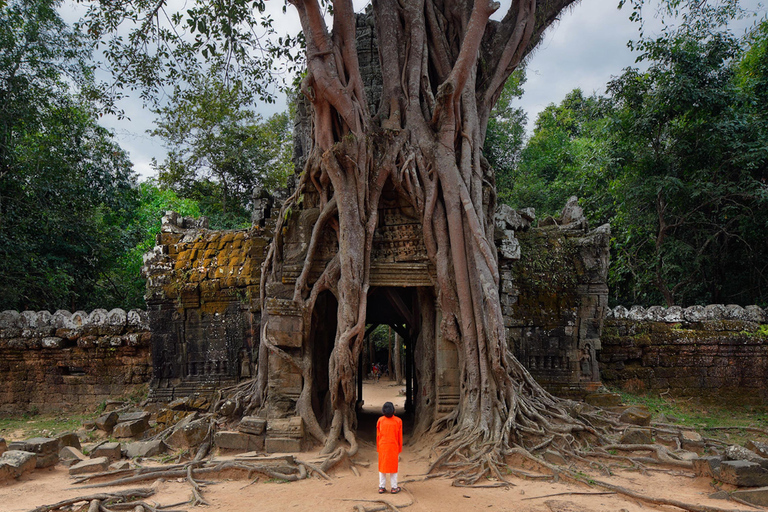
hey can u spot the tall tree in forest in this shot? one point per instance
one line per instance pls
(65, 185)
(220, 149)
(690, 142)
(568, 154)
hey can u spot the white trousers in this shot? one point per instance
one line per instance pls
(383, 480)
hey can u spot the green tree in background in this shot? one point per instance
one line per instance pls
(568, 154)
(691, 218)
(65, 186)
(505, 135)
(675, 158)
(220, 149)
(142, 227)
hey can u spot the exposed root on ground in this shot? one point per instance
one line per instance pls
(103, 501)
(382, 504)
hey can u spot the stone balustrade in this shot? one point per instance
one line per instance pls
(716, 353)
(62, 360)
(41, 329)
(692, 314)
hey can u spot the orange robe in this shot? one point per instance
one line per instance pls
(389, 442)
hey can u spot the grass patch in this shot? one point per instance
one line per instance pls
(702, 417)
(40, 425)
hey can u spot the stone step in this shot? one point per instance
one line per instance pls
(743, 473)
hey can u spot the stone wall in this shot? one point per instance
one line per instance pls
(71, 361)
(202, 292)
(554, 297)
(717, 353)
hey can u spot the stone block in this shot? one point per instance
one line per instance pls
(96, 465)
(47, 460)
(17, 446)
(603, 399)
(736, 452)
(144, 449)
(69, 456)
(757, 497)
(686, 455)
(120, 465)
(238, 441)
(130, 428)
(282, 445)
(252, 425)
(52, 342)
(743, 473)
(637, 435)
(285, 331)
(68, 439)
(188, 434)
(112, 451)
(758, 447)
(15, 463)
(42, 445)
(286, 427)
(107, 421)
(691, 440)
(170, 417)
(6, 472)
(708, 467)
(133, 416)
(636, 416)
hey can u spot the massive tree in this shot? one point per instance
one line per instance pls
(444, 65)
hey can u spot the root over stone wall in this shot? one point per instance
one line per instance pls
(71, 361)
(717, 353)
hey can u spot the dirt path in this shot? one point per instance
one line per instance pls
(52, 485)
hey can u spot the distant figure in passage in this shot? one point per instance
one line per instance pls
(389, 444)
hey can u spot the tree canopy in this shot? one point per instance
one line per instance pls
(674, 158)
(220, 149)
(65, 185)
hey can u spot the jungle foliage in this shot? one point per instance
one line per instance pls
(220, 148)
(675, 158)
(74, 221)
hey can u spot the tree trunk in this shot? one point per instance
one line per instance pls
(426, 139)
(389, 355)
(397, 359)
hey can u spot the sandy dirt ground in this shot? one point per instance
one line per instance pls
(42, 487)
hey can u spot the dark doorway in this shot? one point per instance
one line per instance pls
(398, 308)
(322, 337)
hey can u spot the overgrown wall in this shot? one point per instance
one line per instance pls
(716, 353)
(71, 361)
(554, 298)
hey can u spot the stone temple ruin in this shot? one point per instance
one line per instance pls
(205, 309)
(206, 320)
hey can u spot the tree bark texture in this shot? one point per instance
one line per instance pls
(444, 64)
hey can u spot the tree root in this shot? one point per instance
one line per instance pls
(145, 506)
(662, 453)
(100, 499)
(382, 504)
(281, 468)
(196, 490)
(690, 507)
(568, 494)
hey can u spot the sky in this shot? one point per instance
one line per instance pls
(584, 49)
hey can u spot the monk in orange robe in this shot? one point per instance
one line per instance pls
(389, 444)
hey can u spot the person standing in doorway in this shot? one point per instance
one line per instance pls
(389, 444)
